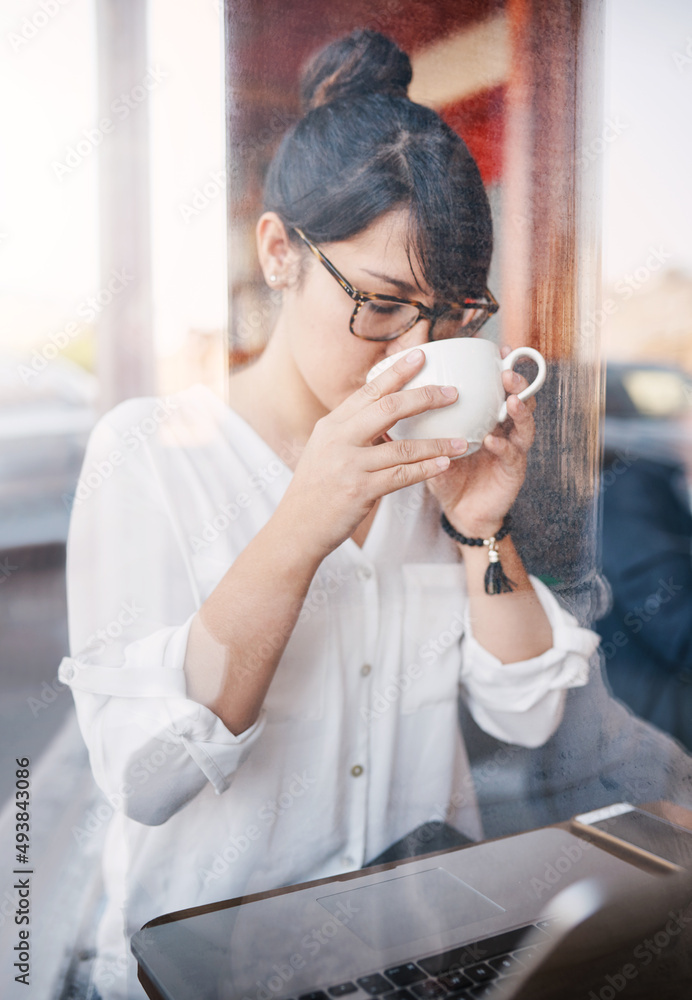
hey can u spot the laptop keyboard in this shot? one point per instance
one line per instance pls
(464, 973)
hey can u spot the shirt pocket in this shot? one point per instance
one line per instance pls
(432, 628)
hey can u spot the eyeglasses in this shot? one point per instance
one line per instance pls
(384, 317)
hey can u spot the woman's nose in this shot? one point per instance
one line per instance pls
(418, 335)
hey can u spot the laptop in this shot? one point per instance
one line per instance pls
(504, 919)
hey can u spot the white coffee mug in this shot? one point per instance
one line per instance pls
(475, 368)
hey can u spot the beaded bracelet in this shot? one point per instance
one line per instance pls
(496, 582)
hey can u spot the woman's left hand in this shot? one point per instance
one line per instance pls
(476, 492)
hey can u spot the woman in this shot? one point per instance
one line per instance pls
(270, 627)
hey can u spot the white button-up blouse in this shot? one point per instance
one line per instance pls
(358, 741)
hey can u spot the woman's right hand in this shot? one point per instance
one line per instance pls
(342, 472)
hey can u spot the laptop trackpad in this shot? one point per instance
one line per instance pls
(409, 907)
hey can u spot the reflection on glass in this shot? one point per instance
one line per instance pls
(659, 393)
(284, 668)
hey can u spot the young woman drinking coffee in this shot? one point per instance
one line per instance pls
(270, 627)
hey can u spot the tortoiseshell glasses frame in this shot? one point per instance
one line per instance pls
(370, 321)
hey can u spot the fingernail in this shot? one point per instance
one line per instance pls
(414, 356)
(520, 404)
(442, 462)
(458, 444)
(516, 378)
(449, 390)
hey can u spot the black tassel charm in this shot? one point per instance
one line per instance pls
(496, 581)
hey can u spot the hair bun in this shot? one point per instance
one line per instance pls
(364, 62)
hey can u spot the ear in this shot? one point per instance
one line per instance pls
(277, 255)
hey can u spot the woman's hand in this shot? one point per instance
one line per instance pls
(476, 492)
(343, 471)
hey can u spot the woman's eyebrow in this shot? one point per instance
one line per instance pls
(405, 287)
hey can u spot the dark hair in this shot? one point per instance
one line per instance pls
(363, 149)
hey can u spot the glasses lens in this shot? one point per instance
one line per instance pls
(381, 320)
(460, 323)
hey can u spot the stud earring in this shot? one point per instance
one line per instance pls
(272, 277)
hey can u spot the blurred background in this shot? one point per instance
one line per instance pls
(133, 145)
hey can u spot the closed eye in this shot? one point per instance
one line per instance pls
(382, 308)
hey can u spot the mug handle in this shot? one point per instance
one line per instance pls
(530, 390)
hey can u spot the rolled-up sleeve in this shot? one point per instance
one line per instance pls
(523, 702)
(131, 601)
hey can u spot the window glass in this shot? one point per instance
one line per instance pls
(251, 665)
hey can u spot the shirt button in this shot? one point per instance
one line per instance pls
(356, 770)
(68, 671)
(363, 572)
(365, 670)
